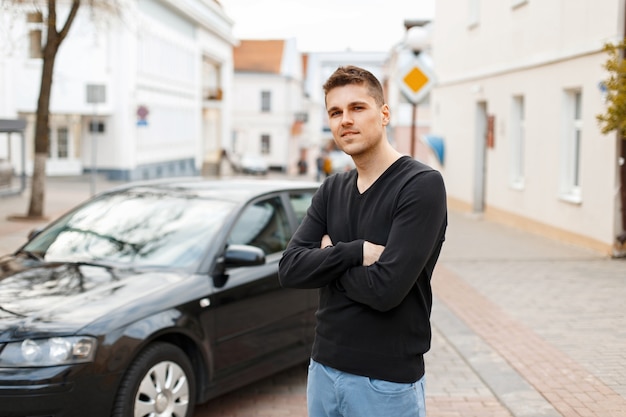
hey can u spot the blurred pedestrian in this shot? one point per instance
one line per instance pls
(369, 242)
(303, 167)
(328, 165)
(319, 164)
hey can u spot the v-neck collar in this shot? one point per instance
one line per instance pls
(377, 180)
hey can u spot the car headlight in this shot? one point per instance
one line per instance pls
(48, 352)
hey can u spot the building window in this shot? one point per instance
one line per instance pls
(266, 101)
(59, 143)
(517, 142)
(35, 24)
(473, 15)
(211, 80)
(265, 144)
(572, 135)
(96, 126)
(62, 143)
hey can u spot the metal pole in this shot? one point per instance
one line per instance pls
(23, 176)
(94, 153)
(95, 94)
(413, 128)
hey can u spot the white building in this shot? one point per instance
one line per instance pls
(269, 106)
(162, 76)
(516, 102)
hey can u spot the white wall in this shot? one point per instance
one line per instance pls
(508, 38)
(500, 58)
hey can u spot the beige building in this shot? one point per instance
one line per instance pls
(519, 88)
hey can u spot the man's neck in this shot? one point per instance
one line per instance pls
(371, 166)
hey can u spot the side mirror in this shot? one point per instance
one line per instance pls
(34, 233)
(243, 255)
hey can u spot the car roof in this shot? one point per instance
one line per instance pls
(232, 189)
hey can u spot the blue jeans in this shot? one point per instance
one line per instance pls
(333, 393)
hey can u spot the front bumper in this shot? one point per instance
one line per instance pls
(61, 391)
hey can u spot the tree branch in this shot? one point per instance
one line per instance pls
(68, 21)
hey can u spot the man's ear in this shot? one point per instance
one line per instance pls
(386, 114)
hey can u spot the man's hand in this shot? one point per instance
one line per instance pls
(371, 252)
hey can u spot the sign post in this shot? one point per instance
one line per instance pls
(416, 81)
(95, 95)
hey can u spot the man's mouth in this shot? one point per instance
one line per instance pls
(348, 133)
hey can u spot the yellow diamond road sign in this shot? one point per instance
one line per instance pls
(416, 79)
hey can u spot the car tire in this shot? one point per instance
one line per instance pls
(159, 382)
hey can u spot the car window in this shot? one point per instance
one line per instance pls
(300, 202)
(263, 224)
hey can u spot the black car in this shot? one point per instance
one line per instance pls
(151, 298)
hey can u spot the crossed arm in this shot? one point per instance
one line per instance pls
(371, 251)
(376, 275)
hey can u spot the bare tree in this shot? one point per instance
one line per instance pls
(56, 33)
(54, 39)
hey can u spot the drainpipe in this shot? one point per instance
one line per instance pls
(622, 145)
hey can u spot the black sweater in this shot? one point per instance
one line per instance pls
(372, 321)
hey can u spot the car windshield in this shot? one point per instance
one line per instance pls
(142, 228)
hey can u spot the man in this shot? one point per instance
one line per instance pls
(369, 242)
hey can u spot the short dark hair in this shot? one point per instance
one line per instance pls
(351, 74)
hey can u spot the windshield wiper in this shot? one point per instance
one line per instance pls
(11, 312)
(32, 255)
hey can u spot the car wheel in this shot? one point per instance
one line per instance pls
(160, 382)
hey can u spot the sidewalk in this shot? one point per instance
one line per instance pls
(523, 326)
(537, 327)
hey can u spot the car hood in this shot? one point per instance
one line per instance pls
(64, 297)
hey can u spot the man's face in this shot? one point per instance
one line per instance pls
(357, 123)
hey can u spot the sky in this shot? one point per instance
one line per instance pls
(327, 25)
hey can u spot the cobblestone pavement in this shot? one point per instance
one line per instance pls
(523, 326)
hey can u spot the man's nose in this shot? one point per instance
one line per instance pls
(346, 118)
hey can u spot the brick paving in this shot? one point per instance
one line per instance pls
(552, 314)
(523, 326)
(568, 386)
(281, 395)
(452, 388)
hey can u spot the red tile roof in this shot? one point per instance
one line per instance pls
(259, 56)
